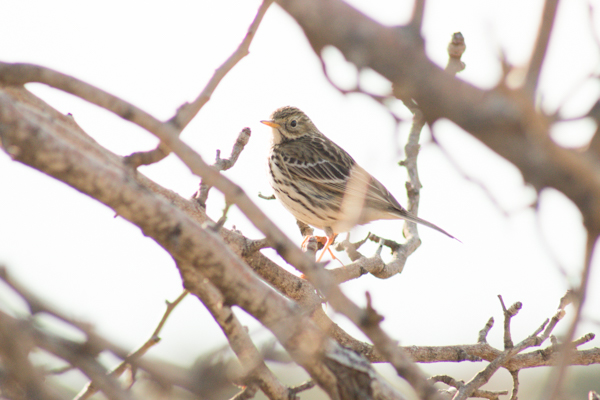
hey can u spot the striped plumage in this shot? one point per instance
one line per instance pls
(320, 183)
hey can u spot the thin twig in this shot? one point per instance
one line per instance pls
(223, 164)
(17, 333)
(302, 387)
(515, 389)
(533, 340)
(247, 393)
(508, 314)
(482, 338)
(262, 196)
(89, 390)
(484, 394)
(188, 111)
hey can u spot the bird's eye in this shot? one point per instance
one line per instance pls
(293, 123)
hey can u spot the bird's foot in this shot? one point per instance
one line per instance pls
(327, 242)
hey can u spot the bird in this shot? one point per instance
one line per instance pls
(320, 184)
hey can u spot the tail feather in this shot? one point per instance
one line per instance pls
(409, 217)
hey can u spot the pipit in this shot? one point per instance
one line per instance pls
(321, 184)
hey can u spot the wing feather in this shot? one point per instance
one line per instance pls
(327, 165)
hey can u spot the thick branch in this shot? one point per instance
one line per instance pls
(201, 254)
(255, 369)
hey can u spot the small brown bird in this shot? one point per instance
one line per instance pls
(321, 184)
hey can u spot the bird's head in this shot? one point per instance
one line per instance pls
(290, 123)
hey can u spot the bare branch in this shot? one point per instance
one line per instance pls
(18, 74)
(483, 376)
(262, 196)
(223, 164)
(400, 253)
(541, 46)
(508, 314)
(417, 17)
(90, 389)
(247, 393)
(566, 299)
(303, 387)
(23, 379)
(39, 306)
(79, 355)
(255, 369)
(188, 111)
(555, 386)
(200, 253)
(515, 389)
(484, 332)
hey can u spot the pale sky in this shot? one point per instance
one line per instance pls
(70, 250)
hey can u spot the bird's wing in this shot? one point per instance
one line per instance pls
(323, 163)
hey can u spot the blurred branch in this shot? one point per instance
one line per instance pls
(17, 333)
(401, 252)
(506, 121)
(303, 387)
(90, 389)
(188, 111)
(20, 379)
(541, 46)
(578, 296)
(255, 372)
(417, 17)
(37, 305)
(81, 355)
(477, 182)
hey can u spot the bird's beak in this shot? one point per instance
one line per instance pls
(270, 123)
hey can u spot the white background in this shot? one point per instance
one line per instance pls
(70, 250)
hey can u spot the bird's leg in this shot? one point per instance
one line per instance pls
(328, 242)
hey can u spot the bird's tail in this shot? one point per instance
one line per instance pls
(409, 217)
